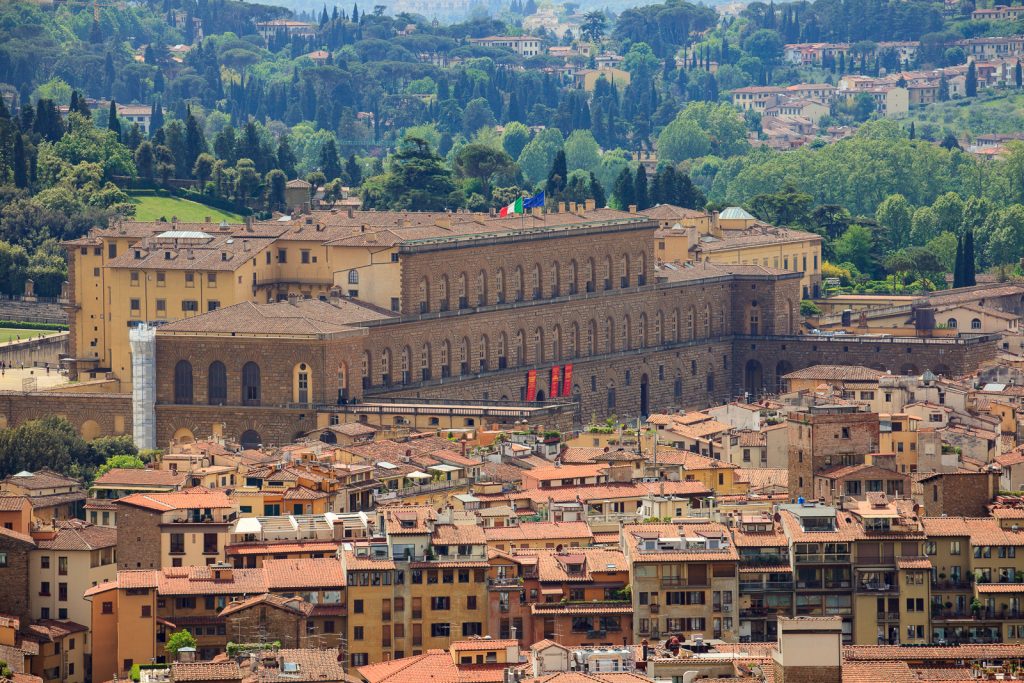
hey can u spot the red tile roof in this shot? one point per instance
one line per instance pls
(189, 499)
(308, 573)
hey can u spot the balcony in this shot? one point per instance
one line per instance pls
(888, 616)
(505, 583)
(680, 582)
(877, 587)
(764, 559)
(951, 585)
(654, 608)
(823, 558)
(759, 586)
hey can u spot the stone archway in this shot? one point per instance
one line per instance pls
(184, 435)
(250, 439)
(782, 368)
(90, 429)
(909, 369)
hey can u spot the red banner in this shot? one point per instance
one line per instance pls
(531, 385)
(556, 376)
(566, 381)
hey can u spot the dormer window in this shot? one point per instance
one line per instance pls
(138, 254)
(167, 256)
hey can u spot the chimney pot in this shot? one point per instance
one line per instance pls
(632, 208)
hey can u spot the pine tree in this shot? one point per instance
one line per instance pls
(95, 34)
(355, 14)
(640, 196)
(112, 122)
(20, 162)
(943, 89)
(195, 141)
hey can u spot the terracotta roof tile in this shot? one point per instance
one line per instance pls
(142, 477)
(873, 672)
(76, 534)
(189, 499)
(307, 573)
(205, 671)
(855, 373)
(526, 531)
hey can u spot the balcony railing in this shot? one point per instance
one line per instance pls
(758, 586)
(823, 557)
(888, 616)
(876, 587)
(951, 585)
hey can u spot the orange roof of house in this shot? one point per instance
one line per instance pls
(304, 573)
(189, 499)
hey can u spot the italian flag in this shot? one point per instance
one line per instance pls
(513, 208)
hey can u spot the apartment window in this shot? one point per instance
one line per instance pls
(440, 603)
(846, 432)
(161, 279)
(161, 308)
(440, 630)
(146, 612)
(472, 628)
(112, 250)
(211, 279)
(134, 278)
(212, 305)
(44, 562)
(304, 255)
(107, 608)
(62, 612)
(471, 602)
(282, 256)
(190, 306)
(190, 279)
(357, 633)
(357, 606)
(929, 548)
(954, 547)
(136, 307)
(177, 543)
(44, 588)
(360, 659)
(396, 303)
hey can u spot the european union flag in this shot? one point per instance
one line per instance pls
(534, 201)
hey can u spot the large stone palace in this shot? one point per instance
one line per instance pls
(270, 330)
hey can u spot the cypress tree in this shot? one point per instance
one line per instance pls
(970, 278)
(971, 82)
(1017, 73)
(20, 162)
(112, 122)
(958, 264)
(640, 196)
(622, 190)
(597, 192)
(355, 174)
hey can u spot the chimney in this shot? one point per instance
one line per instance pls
(293, 298)
(174, 220)
(590, 204)
(563, 207)
(245, 245)
(248, 223)
(350, 212)
(209, 219)
(632, 208)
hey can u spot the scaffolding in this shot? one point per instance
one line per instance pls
(142, 340)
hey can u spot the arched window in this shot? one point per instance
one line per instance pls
(641, 274)
(483, 353)
(676, 326)
(627, 334)
(502, 351)
(572, 348)
(975, 323)
(624, 269)
(659, 326)
(609, 335)
(499, 285)
(691, 321)
(538, 345)
(537, 281)
(556, 343)
(463, 290)
(425, 295)
(385, 367)
(519, 349)
(464, 356)
(951, 323)
(707, 320)
(517, 283)
(250, 384)
(406, 362)
(446, 359)
(591, 275)
(574, 277)
(353, 277)
(183, 383)
(425, 361)
(611, 397)
(300, 384)
(556, 279)
(217, 384)
(609, 272)
(445, 293)
(591, 347)
(367, 370)
(641, 332)
(481, 288)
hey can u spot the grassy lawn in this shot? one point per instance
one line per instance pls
(152, 208)
(7, 334)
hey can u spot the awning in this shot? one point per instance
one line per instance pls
(555, 590)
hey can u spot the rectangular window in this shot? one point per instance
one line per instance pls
(62, 592)
(211, 279)
(112, 250)
(357, 633)
(190, 279)
(44, 562)
(161, 279)
(440, 630)
(212, 305)
(136, 307)
(134, 278)
(305, 256)
(190, 306)
(282, 256)
(62, 566)
(161, 308)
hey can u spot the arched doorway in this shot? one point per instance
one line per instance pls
(909, 369)
(540, 395)
(250, 439)
(327, 436)
(184, 435)
(782, 368)
(90, 430)
(753, 377)
(644, 400)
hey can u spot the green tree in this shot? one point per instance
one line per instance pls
(330, 164)
(202, 170)
(971, 80)
(924, 225)
(537, 156)
(113, 123)
(594, 26)
(514, 138)
(949, 210)
(597, 192)
(764, 44)
(482, 163)
(681, 140)
(178, 640)
(641, 197)
(121, 462)
(558, 177)
(863, 106)
(416, 179)
(247, 180)
(894, 216)
(582, 151)
(855, 247)
(622, 191)
(477, 115)
(275, 182)
(49, 442)
(145, 161)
